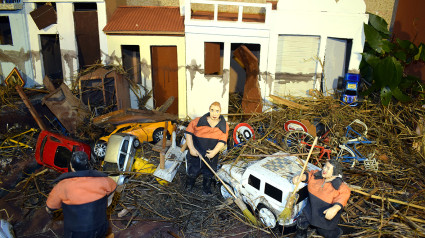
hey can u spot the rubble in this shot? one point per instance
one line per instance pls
(386, 202)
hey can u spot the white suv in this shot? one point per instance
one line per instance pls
(119, 155)
(265, 186)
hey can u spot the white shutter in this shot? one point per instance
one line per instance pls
(296, 64)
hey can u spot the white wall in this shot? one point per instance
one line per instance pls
(324, 18)
(65, 29)
(17, 55)
(203, 90)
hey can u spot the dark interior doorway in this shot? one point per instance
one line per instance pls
(131, 62)
(238, 77)
(52, 62)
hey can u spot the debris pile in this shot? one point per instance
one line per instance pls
(384, 201)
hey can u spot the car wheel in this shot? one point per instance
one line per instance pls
(99, 149)
(136, 143)
(157, 135)
(266, 216)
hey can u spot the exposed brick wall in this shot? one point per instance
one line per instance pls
(382, 8)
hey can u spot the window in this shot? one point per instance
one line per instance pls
(213, 58)
(273, 192)
(254, 182)
(5, 32)
(52, 138)
(88, 6)
(43, 143)
(62, 157)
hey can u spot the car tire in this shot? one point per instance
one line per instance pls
(157, 135)
(266, 216)
(99, 149)
(224, 191)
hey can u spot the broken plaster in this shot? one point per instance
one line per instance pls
(225, 80)
(18, 58)
(268, 78)
(68, 57)
(193, 68)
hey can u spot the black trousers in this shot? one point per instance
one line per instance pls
(97, 233)
(196, 166)
(303, 223)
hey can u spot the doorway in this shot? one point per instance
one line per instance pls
(52, 61)
(337, 59)
(131, 62)
(164, 76)
(87, 35)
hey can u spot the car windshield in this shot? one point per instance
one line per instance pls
(62, 157)
(110, 167)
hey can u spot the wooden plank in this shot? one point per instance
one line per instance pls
(31, 108)
(132, 115)
(282, 101)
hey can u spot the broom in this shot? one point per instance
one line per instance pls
(238, 201)
(286, 213)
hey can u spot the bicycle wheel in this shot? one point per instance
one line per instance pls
(298, 141)
(346, 154)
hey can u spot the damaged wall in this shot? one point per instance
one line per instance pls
(321, 20)
(16, 54)
(304, 18)
(64, 31)
(145, 43)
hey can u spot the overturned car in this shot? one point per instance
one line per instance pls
(265, 186)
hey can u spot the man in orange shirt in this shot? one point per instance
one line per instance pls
(327, 195)
(83, 196)
(205, 137)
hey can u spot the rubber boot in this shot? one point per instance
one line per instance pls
(206, 186)
(301, 233)
(190, 183)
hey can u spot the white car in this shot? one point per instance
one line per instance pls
(265, 185)
(119, 155)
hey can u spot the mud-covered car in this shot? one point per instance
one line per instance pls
(265, 185)
(54, 150)
(150, 132)
(119, 156)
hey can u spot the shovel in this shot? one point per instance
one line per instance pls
(238, 201)
(173, 158)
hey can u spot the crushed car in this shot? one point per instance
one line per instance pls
(119, 157)
(54, 150)
(150, 132)
(265, 185)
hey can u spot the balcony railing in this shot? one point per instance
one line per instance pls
(221, 11)
(7, 5)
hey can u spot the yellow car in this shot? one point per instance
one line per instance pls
(150, 132)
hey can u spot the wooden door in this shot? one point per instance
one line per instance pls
(164, 75)
(87, 36)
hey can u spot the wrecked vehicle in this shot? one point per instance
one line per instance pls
(265, 186)
(150, 132)
(55, 150)
(120, 155)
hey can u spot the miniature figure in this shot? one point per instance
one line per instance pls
(327, 195)
(83, 196)
(205, 137)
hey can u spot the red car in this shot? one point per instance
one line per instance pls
(55, 150)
